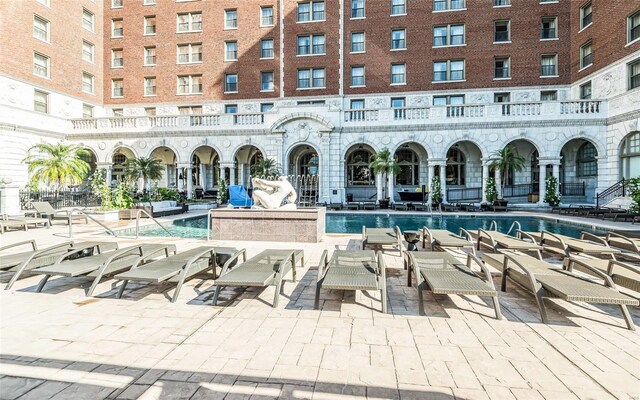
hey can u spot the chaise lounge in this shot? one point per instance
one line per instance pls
(44, 210)
(440, 239)
(378, 237)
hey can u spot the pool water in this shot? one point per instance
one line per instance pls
(352, 223)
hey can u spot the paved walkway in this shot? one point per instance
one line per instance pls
(61, 345)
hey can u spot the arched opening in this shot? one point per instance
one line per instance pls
(304, 160)
(456, 172)
(519, 185)
(205, 162)
(245, 158)
(90, 158)
(360, 179)
(119, 162)
(463, 172)
(579, 170)
(630, 156)
(169, 161)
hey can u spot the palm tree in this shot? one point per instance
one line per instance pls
(507, 160)
(383, 163)
(58, 164)
(265, 167)
(146, 168)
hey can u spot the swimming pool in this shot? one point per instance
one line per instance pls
(352, 223)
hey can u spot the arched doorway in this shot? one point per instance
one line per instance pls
(118, 164)
(518, 185)
(463, 172)
(359, 178)
(245, 158)
(412, 174)
(304, 160)
(630, 156)
(205, 162)
(169, 160)
(579, 170)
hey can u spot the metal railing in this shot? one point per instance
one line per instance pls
(70, 214)
(306, 186)
(573, 189)
(618, 189)
(464, 194)
(519, 190)
(142, 211)
(58, 199)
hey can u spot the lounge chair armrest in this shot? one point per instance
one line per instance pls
(10, 246)
(233, 258)
(607, 279)
(322, 266)
(590, 236)
(557, 238)
(399, 237)
(483, 267)
(73, 252)
(288, 259)
(382, 268)
(195, 258)
(462, 232)
(508, 259)
(524, 235)
(621, 264)
(618, 236)
(481, 233)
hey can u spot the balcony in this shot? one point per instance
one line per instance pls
(496, 113)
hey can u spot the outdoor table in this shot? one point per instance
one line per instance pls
(412, 238)
(419, 256)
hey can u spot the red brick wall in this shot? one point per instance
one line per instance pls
(17, 44)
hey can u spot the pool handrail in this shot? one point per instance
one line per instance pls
(142, 211)
(514, 224)
(79, 211)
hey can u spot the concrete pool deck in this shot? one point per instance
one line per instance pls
(60, 344)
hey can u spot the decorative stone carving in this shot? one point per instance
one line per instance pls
(607, 84)
(437, 139)
(135, 112)
(165, 110)
(226, 143)
(376, 102)
(334, 105)
(385, 140)
(479, 98)
(249, 107)
(184, 144)
(212, 109)
(418, 101)
(551, 136)
(103, 123)
(303, 130)
(102, 145)
(522, 96)
(142, 144)
(493, 137)
(270, 194)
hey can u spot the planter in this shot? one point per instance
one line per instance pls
(129, 213)
(554, 203)
(106, 216)
(533, 198)
(501, 202)
(202, 206)
(384, 204)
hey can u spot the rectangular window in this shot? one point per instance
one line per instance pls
(398, 7)
(585, 91)
(501, 97)
(117, 88)
(634, 27)
(149, 2)
(87, 19)
(40, 101)
(266, 107)
(117, 28)
(357, 8)
(266, 81)
(311, 44)
(40, 65)
(357, 104)
(549, 95)
(189, 110)
(150, 111)
(231, 51)
(117, 3)
(150, 25)
(150, 86)
(634, 74)
(266, 48)
(453, 100)
(549, 30)
(398, 103)
(311, 78)
(190, 84)
(444, 5)
(87, 51)
(190, 22)
(586, 55)
(150, 55)
(40, 28)
(357, 42)
(549, 65)
(231, 83)
(189, 53)
(266, 16)
(230, 19)
(357, 76)
(501, 68)
(501, 3)
(231, 109)
(451, 70)
(398, 74)
(310, 11)
(87, 82)
(398, 39)
(117, 59)
(586, 15)
(87, 111)
(501, 31)
(448, 35)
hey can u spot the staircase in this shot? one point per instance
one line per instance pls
(618, 189)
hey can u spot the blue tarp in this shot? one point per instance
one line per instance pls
(238, 196)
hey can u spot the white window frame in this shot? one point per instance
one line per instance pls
(190, 85)
(508, 3)
(273, 47)
(226, 50)
(364, 43)
(226, 76)
(190, 53)
(553, 93)
(45, 3)
(448, 36)
(508, 63)
(404, 38)
(311, 72)
(113, 88)
(448, 71)
(146, 25)
(92, 21)
(113, 58)
(311, 45)
(113, 28)
(555, 23)
(404, 74)
(147, 55)
(46, 97)
(403, 5)
(630, 66)
(555, 58)
(227, 12)
(189, 22)
(582, 15)
(273, 83)
(86, 107)
(583, 54)
(448, 4)
(149, 2)
(155, 86)
(364, 9)
(630, 19)
(47, 29)
(262, 8)
(582, 87)
(310, 3)
(508, 31)
(47, 66)
(114, 3)
(93, 51)
(364, 76)
(92, 83)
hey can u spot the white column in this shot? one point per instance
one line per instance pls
(109, 176)
(179, 171)
(379, 185)
(222, 174)
(543, 182)
(189, 177)
(240, 173)
(485, 177)
(390, 186)
(556, 174)
(166, 175)
(431, 171)
(232, 175)
(203, 177)
(443, 182)
(498, 179)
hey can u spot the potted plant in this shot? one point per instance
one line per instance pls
(384, 164)
(436, 191)
(491, 191)
(552, 196)
(506, 160)
(223, 191)
(633, 186)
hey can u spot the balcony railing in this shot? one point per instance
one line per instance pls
(580, 107)
(573, 189)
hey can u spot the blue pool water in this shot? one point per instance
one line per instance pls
(352, 223)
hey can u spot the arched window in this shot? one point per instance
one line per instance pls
(309, 164)
(586, 163)
(358, 171)
(455, 167)
(631, 156)
(409, 167)
(117, 170)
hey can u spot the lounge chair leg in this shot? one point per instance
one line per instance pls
(215, 295)
(383, 296)
(316, 303)
(496, 307)
(121, 291)
(503, 285)
(421, 287)
(276, 296)
(540, 300)
(176, 293)
(627, 317)
(42, 283)
(408, 275)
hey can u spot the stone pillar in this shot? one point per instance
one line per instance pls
(443, 182)
(189, 176)
(166, 176)
(108, 177)
(390, 186)
(431, 171)
(241, 174)
(203, 177)
(485, 177)
(184, 170)
(222, 174)
(556, 173)
(543, 181)
(379, 186)
(499, 182)
(232, 175)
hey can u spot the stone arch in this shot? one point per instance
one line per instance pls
(168, 146)
(234, 152)
(279, 124)
(427, 149)
(293, 148)
(117, 147)
(348, 147)
(509, 141)
(214, 148)
(484, 152)
(600, 148)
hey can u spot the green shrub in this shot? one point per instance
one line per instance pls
(491, 191)
(122, 197)
(436, 190)
(633, 186)
(552, 196)
(223, 194)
